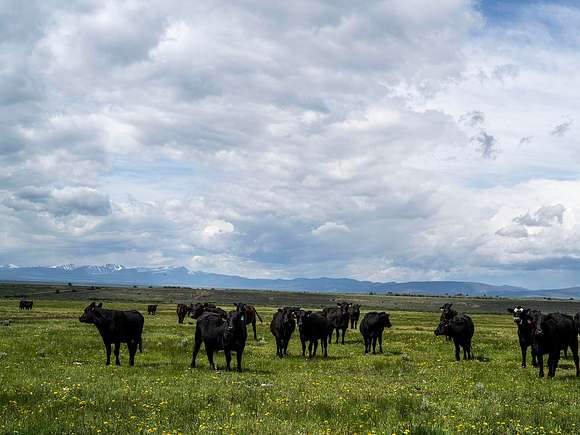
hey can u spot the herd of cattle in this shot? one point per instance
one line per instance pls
(217, 329)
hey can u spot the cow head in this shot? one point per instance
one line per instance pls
(447, 312)
(196, 310)
(519, 314)
(442, 328)
(92, 313)
(385, 320)
(236, 321)
(302, 316)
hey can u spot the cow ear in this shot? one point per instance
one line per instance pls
(510, 310)
(279, 310)
(91, 305)
(100, 305)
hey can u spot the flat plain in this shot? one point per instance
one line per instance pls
(53, 377)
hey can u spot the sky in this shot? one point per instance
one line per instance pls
(384, 140)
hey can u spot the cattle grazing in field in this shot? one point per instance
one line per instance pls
(251, 315)
(197, 309)
(216, 333)
(354, 315)
(552, 333)
(459, 327)
(282, 326)
(525, 319)
(25, 305)
(313, 327)
(372, 327)
(182, 311)
(151, 309)
(338, 318)
(116, 327)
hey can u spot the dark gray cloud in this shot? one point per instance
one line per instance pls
(516, 231)
(561, 129)
(545, 216)
(473, 118)
(486, 145)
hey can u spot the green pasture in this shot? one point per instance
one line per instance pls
(53, 380)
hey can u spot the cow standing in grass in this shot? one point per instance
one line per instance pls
(151, 309)
(216, 333)
(338, 318)
(313, 327)
(354, 315)
(26, 305)
(182, 311)
(459, 327)
(116, 327)
(553, 333)
(525, 319)
(282, 326)
(372, 327)
(251, 315)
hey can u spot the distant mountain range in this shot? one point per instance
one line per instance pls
(116, 274)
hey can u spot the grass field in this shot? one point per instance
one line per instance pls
(53, 380)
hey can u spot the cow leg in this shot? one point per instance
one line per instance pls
(541, 365)
(574, 350)
(310, 349)
(108, 350)
(209, 352)
(254, 328)
(117, 348)
(337, 335)
(132, 351)
(324, 348)
(239, 354)
(303, 347)
(381, 343)
(374, 340)
(524, 351)
(228, 355)
(344, 332)
(316, 346)
(456, 350)
(196, 347)
(534, 357)
(367, 345)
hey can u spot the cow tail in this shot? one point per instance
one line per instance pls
(259, 317)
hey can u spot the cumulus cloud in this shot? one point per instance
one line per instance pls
(310, 138)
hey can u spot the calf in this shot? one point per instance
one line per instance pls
(459, 327)
(354, 314)
(216, 333)
(182, 311)
(197, 309)
(524, 318)
(553, 333)
(313, 327)
(116, 327)
(338, 319)
(151, 309)
(372, 327)
(282, 327)
(25, 305)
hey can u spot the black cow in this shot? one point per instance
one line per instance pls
(459, 327)
(197, 309)
(553, 333)
(282, 327)
(372, 327)
(313, 327)
(354, 314)
(525, 319)
(338, 319)
(252, 314)
(182, 311)
(25, 305)
(151, 309)
(577, 322)
(116, 327)
(216, 333)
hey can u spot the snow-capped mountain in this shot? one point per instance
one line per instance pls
(181, 276)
